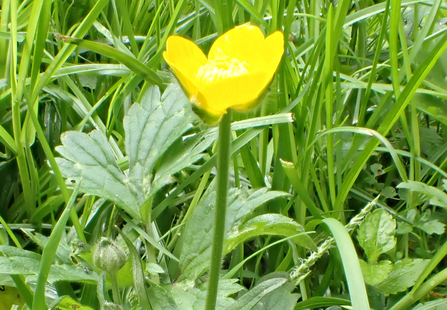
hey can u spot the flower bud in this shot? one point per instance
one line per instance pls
(109, 256)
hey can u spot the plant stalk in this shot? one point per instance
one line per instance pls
(115, 289)
(223, 165)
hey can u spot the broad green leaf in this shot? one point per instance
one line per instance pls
(189, 297)
(403, 228)
(388, 192)
(19, 265)
(68, 303)
(376, 234)
(403, 275)
(90, 157)
(438, 197)
(160, 298)
(267, 224)
(63, 249)
(16, 252)
(196, 239)
(270, 294)
(151, 127)
(374, 274)
(9, 296)
(281, 298)
(29, 266)
(72, 273)
(153, 268)
(6, 280)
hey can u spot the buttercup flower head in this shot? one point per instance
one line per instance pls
(240, 65)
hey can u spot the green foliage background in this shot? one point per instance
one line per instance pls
(337, 181)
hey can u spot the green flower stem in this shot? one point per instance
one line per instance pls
(115, 289)
(223, 165)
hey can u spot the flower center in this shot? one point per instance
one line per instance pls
(221, 68)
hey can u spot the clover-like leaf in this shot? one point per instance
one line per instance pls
(376, 234)
(374, 274)
(432, 227)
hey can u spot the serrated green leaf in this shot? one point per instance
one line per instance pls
(197, 238)
(403, 275)
(268, 224)
(270, 294)
(374, 274)
(90, 157)
(160, 298)
(438, 197)
(281, 298)
(151, 127)
(376, 234)
(181, 154)
(189, 297)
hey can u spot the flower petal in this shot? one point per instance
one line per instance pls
(239, 91)
(272, 52)
(244, 43)
(185, 58)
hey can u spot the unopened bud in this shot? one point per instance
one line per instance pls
(109, 256)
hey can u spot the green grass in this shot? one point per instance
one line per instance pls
(365, 85)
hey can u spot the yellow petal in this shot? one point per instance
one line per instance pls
(239, 91)
(272, 52)
(244, 43)
(185, 58)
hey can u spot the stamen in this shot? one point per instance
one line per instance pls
(221, 68)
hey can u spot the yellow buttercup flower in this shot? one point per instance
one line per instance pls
(240, 65)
